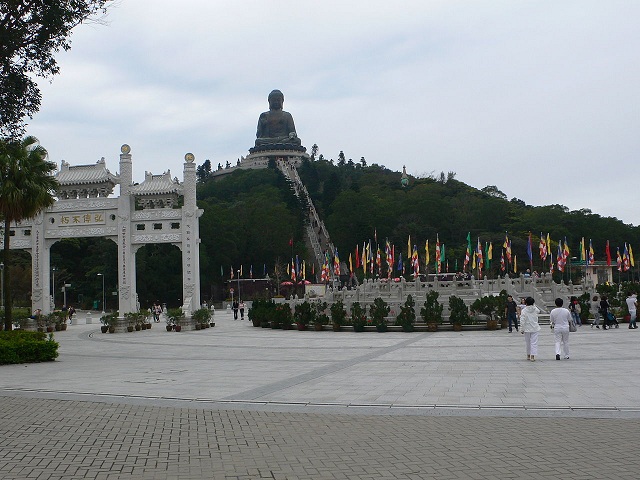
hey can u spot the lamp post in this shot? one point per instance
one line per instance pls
(102, 275)
(53, 274)
(2, 281)
(238, 286)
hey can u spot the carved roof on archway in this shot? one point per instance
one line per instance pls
(158, 185)
(97, 173)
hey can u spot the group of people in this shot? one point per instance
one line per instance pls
(238, 306)
(524, 318)
(560, 319)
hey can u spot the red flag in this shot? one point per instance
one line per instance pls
(291, 242)
(608, 252)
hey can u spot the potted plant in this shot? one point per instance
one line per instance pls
(378, 312)
(488, 307)
(358, 317)
(259, 311)
(303, 315)
(431, 312)
(338, 315)
(132, 320)
(176, 316)
(201, 317)
(281, 316)
(321, 318)
(458, 313)
(407, 315)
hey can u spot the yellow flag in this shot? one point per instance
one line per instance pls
(473, 262)
(633, 264)
(409, 247)
(515, 264)
(350, 263)
(426, 252)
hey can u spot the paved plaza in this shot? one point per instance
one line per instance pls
(237, 402)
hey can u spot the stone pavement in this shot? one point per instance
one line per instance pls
(237, 402)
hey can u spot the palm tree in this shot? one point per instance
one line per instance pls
(26, 187)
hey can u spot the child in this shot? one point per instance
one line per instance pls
(529, 327)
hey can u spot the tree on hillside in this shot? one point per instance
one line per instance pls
(26, 187)
(31, 32)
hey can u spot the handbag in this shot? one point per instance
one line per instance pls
(572, 326)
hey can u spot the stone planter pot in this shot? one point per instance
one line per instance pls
(492, 324)
(457, 327)
(104, 328)
(286, 326)
(335, 327)
(198, 327)
(130, 328)
(138, 327)
(212, 324)
(50, 329)
(178, 328)
(358, 328)
(169, 328)
(432, 327)
(381, 327)
(256, 322)
(57, 327)
(64, 327)
(318, 327)
(112, 329)
(148, 325)
(301, 326)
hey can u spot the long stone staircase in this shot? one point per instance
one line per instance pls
(317, 236)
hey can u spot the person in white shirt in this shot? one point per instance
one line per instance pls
(632, 304)
(560, 318)
(529, 327)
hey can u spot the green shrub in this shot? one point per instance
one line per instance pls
(338, 313)
(358, 316)
(25, 347)
(407, 315)
(432, 310)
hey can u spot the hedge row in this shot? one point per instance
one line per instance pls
(17, 346)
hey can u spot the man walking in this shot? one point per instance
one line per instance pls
(510, 311)
(632, 304)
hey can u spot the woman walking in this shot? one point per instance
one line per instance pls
(529, 327)
(560, 318)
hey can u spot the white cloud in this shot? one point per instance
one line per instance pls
(538, 98)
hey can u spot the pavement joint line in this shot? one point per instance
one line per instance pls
(383, 406)
(258, 392)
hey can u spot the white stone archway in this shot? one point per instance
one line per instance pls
(84, 209)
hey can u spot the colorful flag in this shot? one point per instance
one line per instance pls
(560, 257)
(530, 249)
(467, 253)
(415, 262)
(336, 263)
(437, 256)
(480, 257)
(502, 263)
(304, 270)
(625, 258)
(489, 255)
(409, 247)
(550, 262)
(400, 264)
(633, 264)
(592, 258)
(426, 253)
(583, 251)
(566, 253)
(543, 248)
(608, 253)
(507, 247)
(473, 261)
(619, 260)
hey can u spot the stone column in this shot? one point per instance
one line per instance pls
(190, 239)
(126, 256)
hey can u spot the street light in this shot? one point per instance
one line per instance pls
(238, 286)
(54, 286)
(102, 275)
(2, 281)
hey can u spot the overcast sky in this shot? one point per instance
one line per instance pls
(540, 98)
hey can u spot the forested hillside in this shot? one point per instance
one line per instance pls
(250, 217)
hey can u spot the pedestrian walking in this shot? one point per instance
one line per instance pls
(608, 320)
(235, 309)
(595, 306)
(632, 304)
(241, 308)
(530, 327)
(560, 318)
(574, 308)
(510, 311)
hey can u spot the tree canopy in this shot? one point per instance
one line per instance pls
(31, 32)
